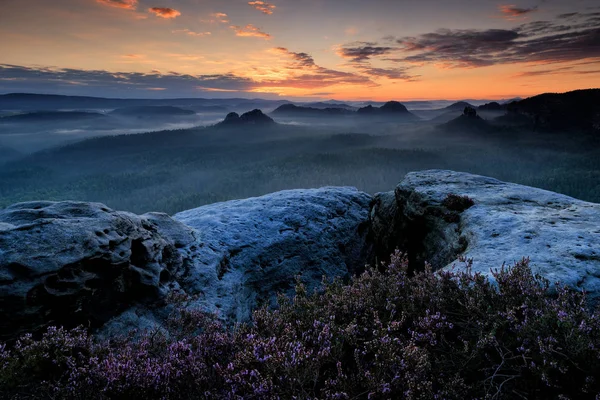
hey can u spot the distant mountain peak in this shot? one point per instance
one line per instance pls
(393, 106)
(254, 117)
(459, 105)
(389, 109)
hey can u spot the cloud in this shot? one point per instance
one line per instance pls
(306, 74)
(301, 60)
(555, 71)
(389, 73)
(164, 12)
(360, 54)
(219, 17)
(512, 12)
(191, 33)
(250, 31)
(555, 41)
(100, 82)
(262, 6)
(14, 78)
(363, 51)
(126, 4)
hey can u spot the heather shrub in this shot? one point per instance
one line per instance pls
(386, 334)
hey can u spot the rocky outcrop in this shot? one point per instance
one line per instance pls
(249, 250)
(391, 109)
(507, 222)
(72, 263)
(254, 117)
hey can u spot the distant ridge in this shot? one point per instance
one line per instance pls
(39, 102)
(560, 112)
(292, 110)
(152, 111)
(51, 116)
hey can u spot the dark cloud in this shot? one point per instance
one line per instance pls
(300, 60)
(15, 78)
(104, 83)
(315, 76)
(555, 71)
(126, 4)
(539, 41)
(164, 12)
(363, 51)
(389, 73)
(359, 55)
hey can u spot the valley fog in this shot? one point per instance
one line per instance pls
(175, 157)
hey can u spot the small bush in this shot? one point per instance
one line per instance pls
(391, 334)
(457, 203)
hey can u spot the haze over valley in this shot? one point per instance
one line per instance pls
(172, 155)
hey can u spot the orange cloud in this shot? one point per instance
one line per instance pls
(250, 31)
(217, 17)
(164, 12)
(512, 12)
(191, 33)
(126, 4)
(262, 6)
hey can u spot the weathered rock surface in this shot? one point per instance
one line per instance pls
(249, 250)
(73, 263)
(560, 234)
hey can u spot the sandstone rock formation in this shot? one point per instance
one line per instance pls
(249, 250)
(254, 117)
(73, 263)
(560, 234)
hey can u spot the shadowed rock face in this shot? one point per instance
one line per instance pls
(72, 263)
(560, 234)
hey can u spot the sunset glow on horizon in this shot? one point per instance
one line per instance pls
(313, 49)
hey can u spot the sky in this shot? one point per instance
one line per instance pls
(295, 49)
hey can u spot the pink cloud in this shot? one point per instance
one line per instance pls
(262, 6)
(191, 33)
(512, 12)
(126, 4)
(250, 31)
(164, 12)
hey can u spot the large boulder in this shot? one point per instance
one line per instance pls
(71, 263)
(250, 250)
(507, 222)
